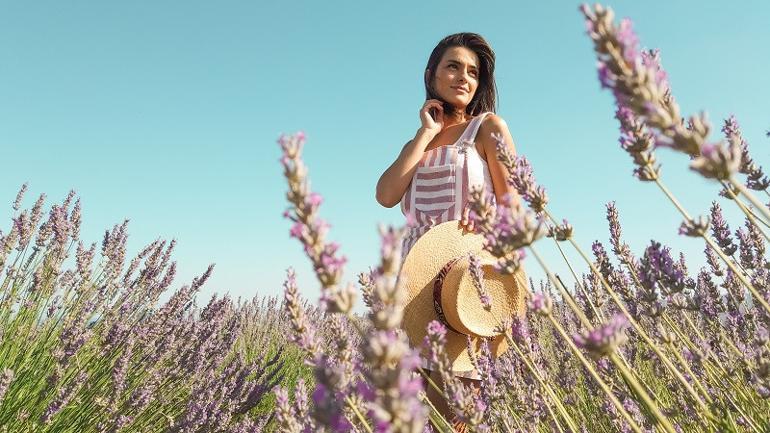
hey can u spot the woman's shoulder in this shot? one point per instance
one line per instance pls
(491, 124)
(493, 121)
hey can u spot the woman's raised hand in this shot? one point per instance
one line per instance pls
(466, 222)
(429, 124)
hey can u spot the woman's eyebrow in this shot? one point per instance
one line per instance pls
(460, 63)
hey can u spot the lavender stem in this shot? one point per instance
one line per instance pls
(603, 385)
(762, 208)
(642, 333)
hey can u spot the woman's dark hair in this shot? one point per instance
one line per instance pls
(485, 98)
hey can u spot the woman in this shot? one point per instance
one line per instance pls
(452, 151)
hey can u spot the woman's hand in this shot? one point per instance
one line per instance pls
(466, 222)
(429, 124)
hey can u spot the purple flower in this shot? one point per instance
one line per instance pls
(651, 59)
(6, 377)
(658, 269)
(512, 229)
(713, 261)
(20, 196)
(628, 40)
(478, 281)
(311, 230)
(639, 143)
(694, 228)
(602, 259)
(757, 180)
(304, 333)
(731, 126)
(606, 78)
(717, 161)
(521, 176)
(619, 248)
(540, 303)
(63, 397)
(746, 249)
(721, 231)
(561, 232)
(605, 339)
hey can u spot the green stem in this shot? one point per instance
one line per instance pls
(595, 310)
(689, 371)
(553, 416)
(543, 384)
(642, 333)
(711, 243)
(358, 414)
(757, 204)
(748, 212)
(435, 386)
(651, 406)
(618, 405)
(756, 295)
(567, 297)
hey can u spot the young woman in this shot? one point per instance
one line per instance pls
(452, 151)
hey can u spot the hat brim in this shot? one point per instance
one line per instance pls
(422, 264)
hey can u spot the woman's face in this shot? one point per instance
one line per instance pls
(457, 76)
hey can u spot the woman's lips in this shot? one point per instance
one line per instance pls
(459, 89)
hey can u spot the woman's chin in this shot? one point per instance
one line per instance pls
(457, 104)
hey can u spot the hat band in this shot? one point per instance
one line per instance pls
(437, 286)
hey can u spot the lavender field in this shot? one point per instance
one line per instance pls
(634, 341)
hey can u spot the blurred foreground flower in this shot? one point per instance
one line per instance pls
(605, 339)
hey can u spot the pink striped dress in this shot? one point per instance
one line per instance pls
(439, 191)
(440, 187)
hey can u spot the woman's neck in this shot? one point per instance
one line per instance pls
(456, 118)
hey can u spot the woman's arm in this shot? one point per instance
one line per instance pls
(394, 181)
(495, 124)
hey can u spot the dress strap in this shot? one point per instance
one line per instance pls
(475, 127)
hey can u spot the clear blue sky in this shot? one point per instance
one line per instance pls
(167, 113)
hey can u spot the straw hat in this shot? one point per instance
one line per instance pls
(445, 250)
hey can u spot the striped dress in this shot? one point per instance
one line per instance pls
(440, 187)
(439, 191)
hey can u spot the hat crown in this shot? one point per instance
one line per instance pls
(458, 297)
(461, 301)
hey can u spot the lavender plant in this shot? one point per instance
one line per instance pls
(638, 343)
(86, 345)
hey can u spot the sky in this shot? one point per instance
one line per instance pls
(167, 113)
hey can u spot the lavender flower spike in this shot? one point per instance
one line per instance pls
(603, 340)
(285, 415)
(541, 304)
(757, 180)
(6, 377)
(393, 397)
(561, 232)
(20, 197)
(721, 231)
(311, 230)
(459, 398)
(513, 228)
(478, 281)
(304, 333)
(639, 143)
(717, 161)
(694, 228)
(521, 176)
